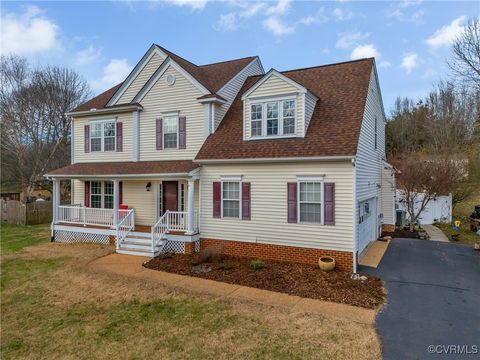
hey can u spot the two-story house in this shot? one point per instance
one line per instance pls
(278, 165)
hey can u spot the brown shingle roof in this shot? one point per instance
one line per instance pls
(333, 130)
(211, 76)
(126, 168)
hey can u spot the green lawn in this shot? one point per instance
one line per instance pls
(55, 306)
(461, 212)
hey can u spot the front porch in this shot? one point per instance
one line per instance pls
(139, 215)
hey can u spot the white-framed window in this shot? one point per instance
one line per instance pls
(101, 194)
(272, 118)
(231, 195)
(103, 135)
(170, 132)
(310, 201)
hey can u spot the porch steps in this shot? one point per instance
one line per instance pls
(139, 244)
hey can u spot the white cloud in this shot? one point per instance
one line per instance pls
(277, 27)
(318, 18)
(342, 14)
(87, 56)
(364, 51)
(113, 73)
(28, 33)
(403, 11)
(385, 64)
(346, 40)
(408, 3)
(193, 4)
(281, 8)
(226, 22)
(447, 34)
(251, 10)
(409, 62)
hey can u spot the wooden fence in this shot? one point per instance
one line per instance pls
(15, 212)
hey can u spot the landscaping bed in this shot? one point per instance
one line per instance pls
(294, 279)
(402, 233)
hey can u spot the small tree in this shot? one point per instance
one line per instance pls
(421, 179)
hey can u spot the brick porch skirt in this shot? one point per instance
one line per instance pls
(343, 259)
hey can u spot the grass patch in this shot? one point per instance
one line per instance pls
(467, 236)
(16, 237)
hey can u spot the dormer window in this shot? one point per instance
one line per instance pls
(272, 118)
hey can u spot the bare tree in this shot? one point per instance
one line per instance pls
(421, 179)
(34, 128)
(466, 54)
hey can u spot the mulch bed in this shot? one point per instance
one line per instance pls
(294, 279)
(402, 233)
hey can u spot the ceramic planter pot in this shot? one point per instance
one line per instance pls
(476, 246)
(326, 263)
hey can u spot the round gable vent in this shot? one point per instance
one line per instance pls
(170, 79)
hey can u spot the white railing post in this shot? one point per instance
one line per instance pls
(191, 205)
(116, 200)
(84, 216)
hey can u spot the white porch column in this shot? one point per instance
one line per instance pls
(191, 206)
(55, 200)
(116, 201)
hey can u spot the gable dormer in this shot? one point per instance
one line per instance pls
(276, 107)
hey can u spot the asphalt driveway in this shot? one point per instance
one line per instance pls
(433, 299)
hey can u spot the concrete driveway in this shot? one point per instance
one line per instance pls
(433, 299)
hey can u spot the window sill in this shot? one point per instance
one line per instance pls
(272, 137)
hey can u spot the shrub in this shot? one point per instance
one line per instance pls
(210, 254)
(225, 266)
(167, 255)
(257, 264)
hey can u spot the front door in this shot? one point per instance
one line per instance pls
(170, 196)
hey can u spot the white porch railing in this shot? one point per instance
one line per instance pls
(171, 220)
(125, 225)
(76, 214)
(159, 229)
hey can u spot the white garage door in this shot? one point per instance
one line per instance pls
(367, 227)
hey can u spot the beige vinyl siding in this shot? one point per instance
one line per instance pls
(99, 156)
(388, 195)
(150, 67)
(78, 192)
(268, 222)
(231, 89)
(310, 102)
(181, 96)
(137, 197)
(273, 87)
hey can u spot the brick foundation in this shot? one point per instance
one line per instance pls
(388, 228)
(189, 248)
(343, 259)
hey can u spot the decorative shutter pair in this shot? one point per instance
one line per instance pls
(86, 193)
(217, 200)
(182, 133)
(328, 200)
(118, 135)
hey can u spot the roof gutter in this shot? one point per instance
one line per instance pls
(115, 176)
(112, 110)
(279, 159)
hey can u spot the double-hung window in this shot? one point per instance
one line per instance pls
(101, 194)
(231, 199)
(272, 118)
(102, 135)
(310, 201)
(170, 132)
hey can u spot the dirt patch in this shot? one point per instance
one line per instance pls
(294, 279)
(402, 233)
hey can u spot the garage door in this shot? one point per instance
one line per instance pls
(367, 224)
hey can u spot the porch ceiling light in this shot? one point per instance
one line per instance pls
(149, 185)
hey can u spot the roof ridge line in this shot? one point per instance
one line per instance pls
(225, 61)
(325, 65)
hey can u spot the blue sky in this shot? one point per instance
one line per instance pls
(104, 40)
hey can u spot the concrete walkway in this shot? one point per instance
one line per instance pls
(131, 266)
(435, 233)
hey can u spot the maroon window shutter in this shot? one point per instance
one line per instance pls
(245, 200)
(159, 134)
(217, 199)
(292, 202)
(86, 138)
(87, 194)
(119, 134)
(182, 132)
(329, 206)
(120, 192)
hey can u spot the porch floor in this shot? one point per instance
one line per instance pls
(137, 228)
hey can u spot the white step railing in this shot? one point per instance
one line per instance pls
(125, 225)
(178, 221)
(159, 230)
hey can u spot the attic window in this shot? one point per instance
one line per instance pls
(170, 79)
(274, 118)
